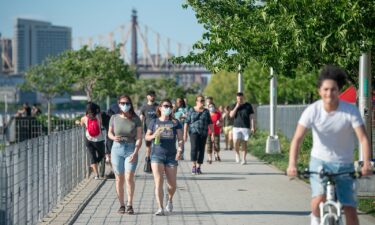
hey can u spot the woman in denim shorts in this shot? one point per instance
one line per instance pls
(163, 131)
(333, 123)
(125, 129)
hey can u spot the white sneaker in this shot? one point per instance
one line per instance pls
(169, 207)
(237, 158)
(160, 212)
(243, 162)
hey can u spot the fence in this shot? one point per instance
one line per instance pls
(38, 173)
(287, 117)
(22, 128)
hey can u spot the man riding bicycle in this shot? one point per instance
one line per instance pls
(332, 122)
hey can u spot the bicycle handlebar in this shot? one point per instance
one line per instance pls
(306, 173)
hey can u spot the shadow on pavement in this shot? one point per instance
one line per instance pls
(203, 177)
(247, 212)
(239, 173)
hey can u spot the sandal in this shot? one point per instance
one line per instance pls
(129, 210)
(209, 161)
(121, 210)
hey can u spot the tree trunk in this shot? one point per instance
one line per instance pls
(49, 116)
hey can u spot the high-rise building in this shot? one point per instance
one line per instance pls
(36, 40)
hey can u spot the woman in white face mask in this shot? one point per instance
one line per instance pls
(163, 131)
(125, 129)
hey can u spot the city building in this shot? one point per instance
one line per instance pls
(35, 40)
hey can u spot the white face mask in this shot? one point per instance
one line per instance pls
(124, 108)
(212, 109)
(166, 111)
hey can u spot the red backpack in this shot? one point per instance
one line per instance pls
(93, 127)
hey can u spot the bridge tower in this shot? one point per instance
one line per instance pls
(134, 50)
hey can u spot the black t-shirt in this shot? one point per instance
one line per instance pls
(149, 112)
(242, 117)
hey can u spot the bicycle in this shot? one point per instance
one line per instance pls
(331, 209)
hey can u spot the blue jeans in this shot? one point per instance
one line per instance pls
(120, 157)
(169, 161)
(345, 184)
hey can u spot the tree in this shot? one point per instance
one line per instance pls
(48, 79)
(223, 86)
(164, 88)
(283, 34)
(98, 72)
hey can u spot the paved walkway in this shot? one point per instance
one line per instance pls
(227, 193)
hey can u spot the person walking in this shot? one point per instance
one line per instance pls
(196, 124)
(228, 129)
(35, 110)
(125, 129)
(164, 130)
(214, 146)
(148, 113)
(333, 123)
(244, 122)
(180, 114)
(113, 109)
(94, 138)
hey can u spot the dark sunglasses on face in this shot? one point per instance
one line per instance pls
(202, 100)
(124, 103)
(167, 106)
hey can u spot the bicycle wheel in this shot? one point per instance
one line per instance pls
(331, 218)
(332, 221)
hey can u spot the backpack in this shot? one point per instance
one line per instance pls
(93, 127)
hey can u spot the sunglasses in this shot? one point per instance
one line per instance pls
(124, 103)
(167, 106)
(202, 100)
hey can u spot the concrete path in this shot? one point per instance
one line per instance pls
(227, 193)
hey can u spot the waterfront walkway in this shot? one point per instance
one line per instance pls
(226, 193)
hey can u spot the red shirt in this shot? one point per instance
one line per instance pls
(215, 117)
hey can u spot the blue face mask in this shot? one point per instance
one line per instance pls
(166, 111)
(124, 108)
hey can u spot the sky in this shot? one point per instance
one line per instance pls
(95, 18)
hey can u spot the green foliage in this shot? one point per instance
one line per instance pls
(223, 86)
(48, 79)
(164, 88)
(57, 124)
(99, 72)
(283, 34)
(367, 205)
(257, 147)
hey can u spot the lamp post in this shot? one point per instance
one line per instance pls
(273, 144)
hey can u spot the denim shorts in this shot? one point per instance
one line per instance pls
(169, 161)
(345, 184)
(120, 157)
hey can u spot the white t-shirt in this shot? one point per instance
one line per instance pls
(333, 133)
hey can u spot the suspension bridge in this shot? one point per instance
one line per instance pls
(148, 61)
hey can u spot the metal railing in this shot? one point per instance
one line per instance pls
(19, 129)
(38, 173)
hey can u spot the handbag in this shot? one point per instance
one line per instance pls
(147, 166)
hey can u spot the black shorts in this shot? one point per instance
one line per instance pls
(96, 150)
